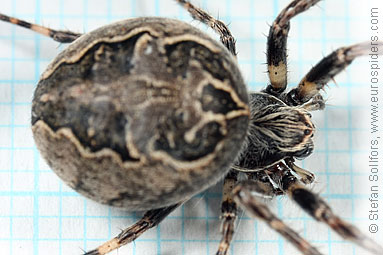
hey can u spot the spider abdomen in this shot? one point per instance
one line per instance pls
(141, 114)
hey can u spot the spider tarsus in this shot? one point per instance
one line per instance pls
(350, 232)
(364, 48)
(218, 26)
(64, 36)
(92, 252)
(57, 35)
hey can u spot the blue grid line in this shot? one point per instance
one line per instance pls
(210, 195)
(349, 121)
(170, 217)
(207, 238)
(144, 240)
(61, 18)
(36, 170)
(183, 229)
(120, 17)
(323, 43)
(12, 132)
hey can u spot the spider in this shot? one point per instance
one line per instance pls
(276, 173)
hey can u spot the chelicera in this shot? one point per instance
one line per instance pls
(144, 113)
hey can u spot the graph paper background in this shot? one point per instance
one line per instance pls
(40, 215)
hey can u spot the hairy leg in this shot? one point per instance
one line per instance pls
(57, 35)
(325, 70)
(218, 26)
(150, 219)
(228, 213)
(262, 186)
(244, 196)
(315, 206)
(276, 45)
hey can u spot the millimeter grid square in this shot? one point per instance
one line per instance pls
(41, 215)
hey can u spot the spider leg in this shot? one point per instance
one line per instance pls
(218, 26)
(307, 177)
(276, 45)
(325, 70)
(321, 211)
(150, 219)
(57, 35)
(228, 213)
(244, 196)
(262, 185)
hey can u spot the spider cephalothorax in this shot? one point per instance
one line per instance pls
(276, 131)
